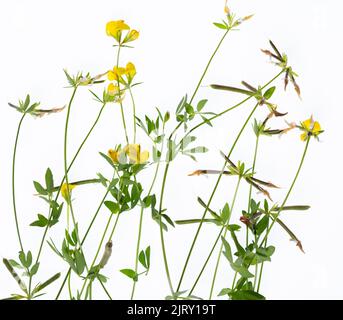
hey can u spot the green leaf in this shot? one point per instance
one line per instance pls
(41, 222)
(166, 117)
(39, 188)
(34, 269)
(220, 25)
(196, 150)
(224, 292)
(15, 275)
(172, 151)
(142, 259)
(225, 213)
(26, 103)
(79, 262)
(268, 94)
(147, 256)
(46, 283)
(49, 180)
(246, 295)
(243, 271)
(264, 254)
(130, 273)
(186, 141)
(201, 104)
(262, 225)
(227, 252)
(112, 206)
(189, 109)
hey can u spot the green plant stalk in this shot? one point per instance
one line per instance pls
(99, 248)
(203, 75)
(13, 181)
(61, 183)
(250, 187)
(221, 247)
(120, 102)
(104, 234)
(219, 178)
(134, 115)
(212, 195)
(66, 165)
(167, 165)
(141, 223)
(264, 240)
(83, 239)
(165, 260)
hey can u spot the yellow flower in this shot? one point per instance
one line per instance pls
(310, 128)
(115, 94)
(131, 36)
(130, 71)
(135, 155)
(114, 155)
(64, 190)
(114, 29)
(116, 74)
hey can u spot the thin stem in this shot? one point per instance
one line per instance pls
(233, 107)
(134, 115)
(165, 261)
(167, 165)
(208, 65)
(214, 246)
(99, 248)
(290, 189)
(66, 165)
(212, 195)
(141, 224)
(120, 102)
(63, 179)
(13, 181)
(84, 238)
(250, 187)
(264, 240)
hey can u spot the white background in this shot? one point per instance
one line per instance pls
(40, 38)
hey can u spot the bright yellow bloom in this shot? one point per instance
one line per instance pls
(116, 74)
(112, 89)
(132, 36)
(130, 71)
(64, 190)
(310, 128)
(114, 155)
(114, 29)
(135, 155)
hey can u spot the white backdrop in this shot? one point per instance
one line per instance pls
(40, 38)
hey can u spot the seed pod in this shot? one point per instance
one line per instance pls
(107, 254)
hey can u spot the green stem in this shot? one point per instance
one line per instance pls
(167, 166)
(99, 247)
(289, 191)
(208, 65)
(66, 165)
(211, 197)
(264, 240)
(63, 179)
(165, 261)
(134, 115)
(140, 226)
(13, 182)
(84, 238)
(214, 246)
(120, 102)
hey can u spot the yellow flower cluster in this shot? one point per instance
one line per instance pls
(132, 151)
(122, 76)
(115, 29)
